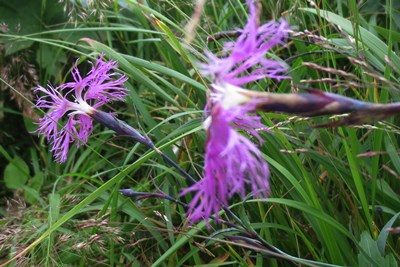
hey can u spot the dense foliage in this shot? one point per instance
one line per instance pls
(335, 194)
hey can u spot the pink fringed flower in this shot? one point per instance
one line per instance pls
(246, 60)
(79, 101)
(232, 161)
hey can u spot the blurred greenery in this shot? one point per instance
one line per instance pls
(335, 197)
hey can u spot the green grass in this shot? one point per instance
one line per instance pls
(330, 203)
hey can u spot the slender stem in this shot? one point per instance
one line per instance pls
(248, 233)
(174, 164)
(124, 129)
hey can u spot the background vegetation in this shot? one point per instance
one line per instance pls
(335, 191)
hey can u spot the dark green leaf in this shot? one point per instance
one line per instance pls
(16, 173)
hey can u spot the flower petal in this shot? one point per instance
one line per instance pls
(248, 52)
(232, 162)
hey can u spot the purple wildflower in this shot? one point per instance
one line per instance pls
(81, 99)
(248, 52)
(232, 161)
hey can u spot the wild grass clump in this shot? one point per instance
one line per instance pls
(334, 197)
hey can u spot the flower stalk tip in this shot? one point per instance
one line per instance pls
(120, 127)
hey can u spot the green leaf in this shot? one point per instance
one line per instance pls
(390, 261)
(21, 17)
(370, 247)
(31, 195)
(31, 192)
(172, 40)
(50, 59)
(375, 45)
(37, 181)
(30, 125)
(16, 173)
(383, 235)
(387, 190)
(55, 205)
